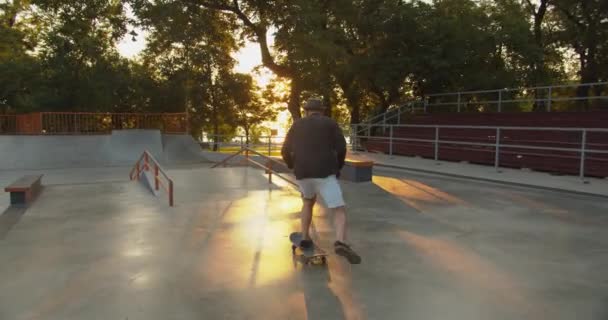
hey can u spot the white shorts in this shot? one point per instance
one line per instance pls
(328, 188)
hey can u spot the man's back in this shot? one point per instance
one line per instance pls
(314, 147)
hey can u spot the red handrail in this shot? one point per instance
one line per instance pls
(138, 169)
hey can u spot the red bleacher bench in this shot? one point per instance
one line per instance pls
(24, 189)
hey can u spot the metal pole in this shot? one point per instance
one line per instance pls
(426, 103)
(352, 134)
(549, 100)
(390, 141)
(156, 176)
(269, 145)
(458, 101)
(583, 148)
(170, 193)
(384, 124)
(138, 169)
(499, 100)
(497, 152)
(269, 163)
(399, 115)
(436, 143)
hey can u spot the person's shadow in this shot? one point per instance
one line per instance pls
(320, 301)
(324, 299)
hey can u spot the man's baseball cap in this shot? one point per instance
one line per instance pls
(314, 104)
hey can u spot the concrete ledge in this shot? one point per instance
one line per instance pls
(25, 190)
(357, 171)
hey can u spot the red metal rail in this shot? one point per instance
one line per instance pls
(50, 123)
(267, 168)
(143, 164)
(8, 124)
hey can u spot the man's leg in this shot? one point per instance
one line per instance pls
(308, 190)
(306, 216)
(332, 194)
(340, 223)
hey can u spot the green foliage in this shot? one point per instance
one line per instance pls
(360, 56)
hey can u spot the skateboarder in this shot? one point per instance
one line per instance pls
(315, 149)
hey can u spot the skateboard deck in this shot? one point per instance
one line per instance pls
(313, 255)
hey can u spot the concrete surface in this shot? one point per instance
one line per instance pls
(97, 246)
(591, 186)
(120, 148)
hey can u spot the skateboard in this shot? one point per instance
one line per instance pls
(314, 255)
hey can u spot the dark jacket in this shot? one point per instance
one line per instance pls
(314, 147)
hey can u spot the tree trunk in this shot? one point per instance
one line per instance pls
(214, 118)
(538, 62)
(589, 73)
(216, 129)
(355, 113)
(327, 103)
(294, 100)
(326, 89)
(353, 97)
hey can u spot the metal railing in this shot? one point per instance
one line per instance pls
(565, 97)
(499, 138)
(268, 145)
(228, 143)
(143, 164)
(267, 167)
(8, 123)
(60, 123)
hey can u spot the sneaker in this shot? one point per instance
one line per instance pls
(306, 244)
(346, 251)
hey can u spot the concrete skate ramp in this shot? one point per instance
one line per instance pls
(126, 146)
(181, 148)
(120, 148)
(42, 152)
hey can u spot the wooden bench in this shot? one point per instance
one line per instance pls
(357, 171)
(24, 190)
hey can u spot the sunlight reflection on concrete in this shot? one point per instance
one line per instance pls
(470, 269)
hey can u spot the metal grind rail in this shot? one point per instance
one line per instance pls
(143, 164)
(267, 167)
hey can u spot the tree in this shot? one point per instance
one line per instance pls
(585, 29)
(249, 109)
(189, 48)
(538, 67)
(16, 66)
(256, 17)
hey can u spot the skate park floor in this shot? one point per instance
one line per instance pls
(95, 245)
